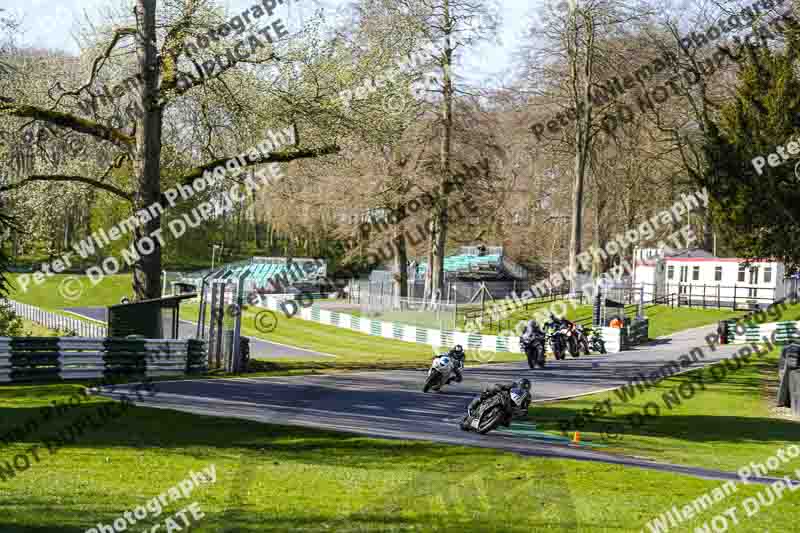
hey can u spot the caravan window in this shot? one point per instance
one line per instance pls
(741, 273)
(696, 273)
(718, 273)
(670, 271)
(767, 274)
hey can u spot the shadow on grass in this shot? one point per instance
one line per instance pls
(142, 428)
(258, 366)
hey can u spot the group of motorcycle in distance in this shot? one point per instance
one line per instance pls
(500, 404)
(563, 336)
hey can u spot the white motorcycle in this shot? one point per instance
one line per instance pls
(442, 369)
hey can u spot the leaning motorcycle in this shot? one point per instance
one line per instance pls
(442, 369)
(534, 350)
(498, 409)
(598, 344)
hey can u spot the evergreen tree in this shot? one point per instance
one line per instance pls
(758, 214)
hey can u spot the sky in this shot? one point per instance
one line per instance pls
(52, 24)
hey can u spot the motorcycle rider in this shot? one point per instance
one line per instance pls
(457, 354)
(531, 331)
(488, 392)
(554, 323)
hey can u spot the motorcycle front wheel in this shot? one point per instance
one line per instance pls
(602, 346)
(558, 352)
(531, 355)
(433, 379)
(572, 345)
(540, 356)
(490, 419)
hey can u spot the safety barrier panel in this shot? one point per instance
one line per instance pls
(33, 359)
(55, 321)
(422, 335)
(785, 332)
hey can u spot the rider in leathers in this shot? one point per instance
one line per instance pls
(457, 354)
(495, 389)
(531, 331)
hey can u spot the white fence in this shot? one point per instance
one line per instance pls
(423, 335)
(55, 321)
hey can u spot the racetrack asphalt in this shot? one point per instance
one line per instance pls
(391, 404)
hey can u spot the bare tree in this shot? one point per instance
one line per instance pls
(162, 82)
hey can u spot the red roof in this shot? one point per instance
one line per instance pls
(721, 259)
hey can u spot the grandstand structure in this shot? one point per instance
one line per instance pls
(265, 275)
(471, 268)
(475, 263)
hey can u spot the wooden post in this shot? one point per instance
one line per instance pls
(704, 295)
(734, 297)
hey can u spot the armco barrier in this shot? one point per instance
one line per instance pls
(422, 335)
(54, 321)
(37, 359)
(785, 332)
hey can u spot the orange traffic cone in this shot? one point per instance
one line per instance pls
(576, 437)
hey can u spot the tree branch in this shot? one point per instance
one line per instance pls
(98, 63)
(9, 107)
(284, 156)
(78, 179)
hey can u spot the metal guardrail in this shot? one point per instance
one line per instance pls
(55, 321)
(37, 359)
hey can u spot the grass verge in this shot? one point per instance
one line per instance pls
(56, 293)
(348, 346)
(722, 417)
(275, 478)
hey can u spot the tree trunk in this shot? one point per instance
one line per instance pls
(427, 291)
(147, 156)
(708, 231)
(400, 264)
(440, 219)
(577, 218)
(597, 261)
(581, 82)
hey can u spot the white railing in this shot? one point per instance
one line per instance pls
(55, 321)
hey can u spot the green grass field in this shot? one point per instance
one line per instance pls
(32, 329)
(56, 293)
(665, 320)
(722, 427)
(275, 478)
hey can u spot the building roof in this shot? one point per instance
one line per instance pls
(690, 253)
(697, 254)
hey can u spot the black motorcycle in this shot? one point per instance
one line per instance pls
(558, 341)
(500, 408)
(534, 349)
(583, 342)
(598, 344)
